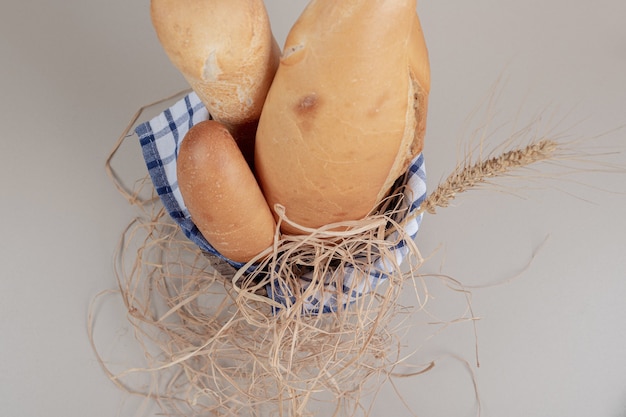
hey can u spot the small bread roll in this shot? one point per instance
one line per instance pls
(226, 51)
(346, 112)
(221, 193)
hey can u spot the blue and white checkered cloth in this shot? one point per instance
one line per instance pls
(160, 139)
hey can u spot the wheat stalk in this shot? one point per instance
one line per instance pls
(469, 176)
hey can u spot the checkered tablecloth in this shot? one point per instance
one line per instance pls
(160, 139)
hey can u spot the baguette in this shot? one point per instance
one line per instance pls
(221, 193)
(346, 112)
(227, 53)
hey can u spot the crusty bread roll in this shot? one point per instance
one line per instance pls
(221, 193)
(346, 112)
(226, 51)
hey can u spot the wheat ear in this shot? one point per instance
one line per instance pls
(470, 175)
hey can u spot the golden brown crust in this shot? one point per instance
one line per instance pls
(224, 48)
(341, 111)
(221, 193)
(419, 88)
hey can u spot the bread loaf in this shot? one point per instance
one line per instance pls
(346, 112)
(226, 51)
(221, 193)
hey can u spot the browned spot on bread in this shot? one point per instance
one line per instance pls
(306, 110)
(307, 105)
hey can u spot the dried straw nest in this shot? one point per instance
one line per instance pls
(216, 344)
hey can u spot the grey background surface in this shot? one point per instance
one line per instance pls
(550, 342)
